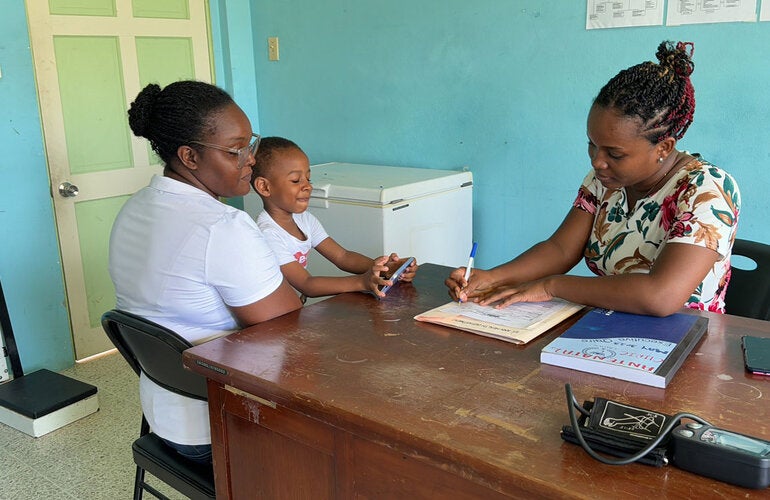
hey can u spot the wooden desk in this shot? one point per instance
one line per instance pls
(351, 397)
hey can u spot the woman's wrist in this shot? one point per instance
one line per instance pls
(551, 285)
(497, 277)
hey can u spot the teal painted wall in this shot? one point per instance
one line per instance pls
(502, 87)
(30, 268)
(233, 53)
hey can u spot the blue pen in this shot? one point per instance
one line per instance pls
(470, 262)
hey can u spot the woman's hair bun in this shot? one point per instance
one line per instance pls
(677, 57)
(141, 109)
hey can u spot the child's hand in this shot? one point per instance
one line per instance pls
(394, 262)
(374, 278)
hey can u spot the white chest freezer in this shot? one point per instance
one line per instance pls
(376, 210)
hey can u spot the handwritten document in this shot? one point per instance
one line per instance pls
(710, 11)
(521, 315)
(623, 13)
(517, 323)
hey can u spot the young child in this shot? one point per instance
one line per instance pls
(281, 177)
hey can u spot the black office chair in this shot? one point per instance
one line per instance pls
(157, 352)
(748, 293)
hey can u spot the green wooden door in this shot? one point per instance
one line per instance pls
(91, 59)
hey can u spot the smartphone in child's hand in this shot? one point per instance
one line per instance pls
(397, 274)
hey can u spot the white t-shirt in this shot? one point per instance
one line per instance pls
(179, 257)
(287, 248)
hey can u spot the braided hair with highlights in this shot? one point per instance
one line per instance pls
(175, 116)
(661, 95)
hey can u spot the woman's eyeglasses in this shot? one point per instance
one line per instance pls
(242, 153)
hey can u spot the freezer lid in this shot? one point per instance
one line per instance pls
(382, 185)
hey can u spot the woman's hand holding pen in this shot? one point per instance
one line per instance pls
(474, 289)
(483, 287)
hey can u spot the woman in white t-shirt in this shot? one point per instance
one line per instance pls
(179, 256)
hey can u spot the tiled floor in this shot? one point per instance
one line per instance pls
(87, 459)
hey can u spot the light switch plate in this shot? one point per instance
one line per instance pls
(272, 48)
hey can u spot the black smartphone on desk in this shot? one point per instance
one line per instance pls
(756, 354)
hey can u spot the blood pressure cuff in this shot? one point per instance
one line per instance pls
(621, 430)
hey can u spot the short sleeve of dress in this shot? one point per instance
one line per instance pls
(239, 261)
(588, 194)
(704, 211)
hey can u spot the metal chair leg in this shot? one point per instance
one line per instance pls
(138, 482)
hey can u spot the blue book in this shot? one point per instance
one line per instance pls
(642, 349)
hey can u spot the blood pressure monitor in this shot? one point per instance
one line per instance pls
(723, 455)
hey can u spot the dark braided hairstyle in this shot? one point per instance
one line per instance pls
(176, 115)
(660, 94)
(268, 146)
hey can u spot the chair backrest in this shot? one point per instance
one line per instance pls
(154, 350)
(748, 293)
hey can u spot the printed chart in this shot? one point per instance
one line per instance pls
(624, 13)
(627, 13)
(710, 11)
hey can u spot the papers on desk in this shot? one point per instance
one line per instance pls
(517, 323)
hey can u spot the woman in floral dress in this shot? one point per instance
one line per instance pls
(654, 224)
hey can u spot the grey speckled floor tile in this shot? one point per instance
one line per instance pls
(87, 459)
(21, 482)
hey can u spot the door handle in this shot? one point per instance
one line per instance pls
(68, 190)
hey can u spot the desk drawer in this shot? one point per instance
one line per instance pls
(288, 423)
(269, 452)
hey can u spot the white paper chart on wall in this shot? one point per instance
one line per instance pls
(628, 13)
(688, 12)
(613, 14)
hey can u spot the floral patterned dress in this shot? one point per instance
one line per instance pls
(699, 205)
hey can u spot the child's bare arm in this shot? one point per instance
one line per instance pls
(346, 260)
(319, 286)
